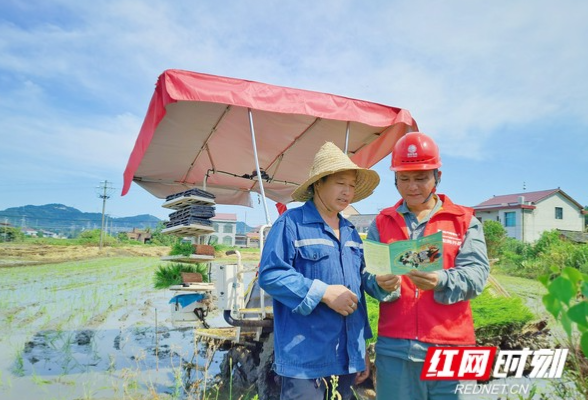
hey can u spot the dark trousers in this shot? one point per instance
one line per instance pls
(317, 389)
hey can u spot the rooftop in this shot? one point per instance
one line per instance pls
(528, 197)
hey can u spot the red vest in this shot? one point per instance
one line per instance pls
(416, 314)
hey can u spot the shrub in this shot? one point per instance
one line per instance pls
(11, 234)
(92, 237)
(531, 261)
(495, 236)
(567, 301)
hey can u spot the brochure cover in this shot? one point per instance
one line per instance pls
(424, 254)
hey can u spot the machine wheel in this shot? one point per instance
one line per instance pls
(268, 383)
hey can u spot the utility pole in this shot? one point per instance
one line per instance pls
(104, 194)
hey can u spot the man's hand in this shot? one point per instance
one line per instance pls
(340, 299)
(423, 280)
(363, 375)
(389, 282)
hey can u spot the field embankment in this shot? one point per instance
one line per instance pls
(20, 254)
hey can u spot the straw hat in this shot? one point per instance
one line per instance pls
(330, 160)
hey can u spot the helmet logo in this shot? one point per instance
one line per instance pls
(412, 151)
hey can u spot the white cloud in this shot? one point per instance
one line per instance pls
(77, 77)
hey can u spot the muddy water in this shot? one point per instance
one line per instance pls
(94, 330)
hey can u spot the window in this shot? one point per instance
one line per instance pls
(509, 219)
(227, 240)
(228, 228)
(558, 213)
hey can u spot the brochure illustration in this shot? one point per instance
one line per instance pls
(424, 254)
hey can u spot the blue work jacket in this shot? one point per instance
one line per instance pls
(301, 257)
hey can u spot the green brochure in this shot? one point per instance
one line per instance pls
(424, 254)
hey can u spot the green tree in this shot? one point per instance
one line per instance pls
(495, 236)
(161, 239)
(11, 234)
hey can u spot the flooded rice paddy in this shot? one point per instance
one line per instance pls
(94, 329)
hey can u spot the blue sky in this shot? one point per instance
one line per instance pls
(502, 86)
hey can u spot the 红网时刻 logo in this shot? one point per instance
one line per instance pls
(476, 363)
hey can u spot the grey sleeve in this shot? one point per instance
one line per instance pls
(467, 279)
(372, 233)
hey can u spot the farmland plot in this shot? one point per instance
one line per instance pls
(93, 329)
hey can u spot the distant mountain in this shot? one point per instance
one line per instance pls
(62, 219)
(242, 227)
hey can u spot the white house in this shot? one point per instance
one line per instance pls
(225, 228)
(525, 216)
(30, 231)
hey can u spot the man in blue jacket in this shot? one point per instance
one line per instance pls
(312, 265)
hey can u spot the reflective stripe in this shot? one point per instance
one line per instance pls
(351, 243)
(310, 242)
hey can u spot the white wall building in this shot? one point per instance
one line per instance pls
(225, 228)
(525, 216)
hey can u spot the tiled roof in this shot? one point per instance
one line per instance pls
(529, 197)
(225, 217)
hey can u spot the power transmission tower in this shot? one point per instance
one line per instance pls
(104, 194)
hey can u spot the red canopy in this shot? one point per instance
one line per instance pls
(198, 124)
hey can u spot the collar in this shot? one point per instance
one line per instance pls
(403, 208)
(444, 203)
(310, 215)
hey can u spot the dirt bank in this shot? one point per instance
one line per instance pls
(21, 254)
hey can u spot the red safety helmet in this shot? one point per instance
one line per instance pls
(415, 151)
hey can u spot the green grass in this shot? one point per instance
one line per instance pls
(496, 315)
(373, 307)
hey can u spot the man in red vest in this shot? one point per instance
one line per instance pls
(428, 308)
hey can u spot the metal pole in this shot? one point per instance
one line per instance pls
(259, 180)
(103, 209)
(346, 138)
